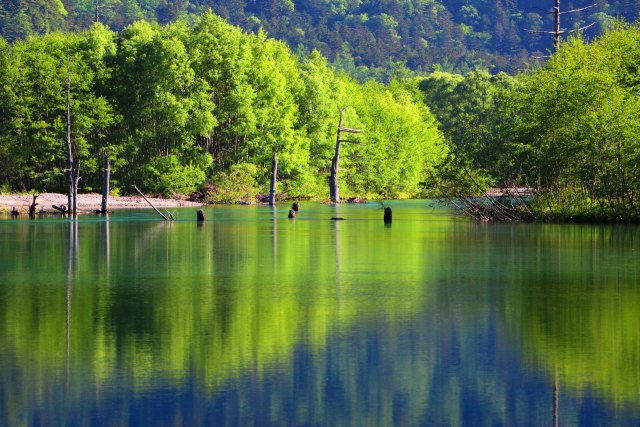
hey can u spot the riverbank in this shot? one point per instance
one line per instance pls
(86, 202)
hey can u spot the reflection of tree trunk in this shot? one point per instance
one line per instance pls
(337, 243)
(274, 243)
(107, 250)
(72, 259)
(555, 400)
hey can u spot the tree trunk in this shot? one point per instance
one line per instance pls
(73, 169)
(334, 189)
(106, 176)
(76, 178)
(32, 208)
(558, 32)
(274, 179)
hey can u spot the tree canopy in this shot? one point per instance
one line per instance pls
(185, 104)
(568, 130)
(363, 37)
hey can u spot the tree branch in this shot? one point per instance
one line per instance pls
(577, 10)
(352, 142)
(150, 204)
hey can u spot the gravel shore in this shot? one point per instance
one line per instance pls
(87, 202)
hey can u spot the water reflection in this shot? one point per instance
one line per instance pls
(255, 319)
(72, 269)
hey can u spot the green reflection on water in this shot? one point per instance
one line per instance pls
(100, 306)
(90, 302)
(579, 306)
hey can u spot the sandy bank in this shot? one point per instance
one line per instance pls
(87, 202)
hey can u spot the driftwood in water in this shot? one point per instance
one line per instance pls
(32, 208)
(62, 208)
(356, 200)
(150, 204)
(510, 205)
(200, 215)
(337, 218)
(292, 213)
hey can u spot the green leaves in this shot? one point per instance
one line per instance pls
(179, 105)
(568, 129)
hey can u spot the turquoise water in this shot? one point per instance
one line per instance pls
(254, 319)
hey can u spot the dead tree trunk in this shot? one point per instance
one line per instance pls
(274, 179)
(557, 30)
(32, 208)
(106, 177)
(334, 188)
(76, 178)
(73, 167)
(70, 164)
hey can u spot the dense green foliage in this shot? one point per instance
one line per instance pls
(570, 130)
(176, 106)
(364, 37)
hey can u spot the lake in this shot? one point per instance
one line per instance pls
(253, 319)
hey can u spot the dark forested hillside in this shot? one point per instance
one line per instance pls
(365, 37)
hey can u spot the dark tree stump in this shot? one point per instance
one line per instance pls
(387, 215)
(32, 207)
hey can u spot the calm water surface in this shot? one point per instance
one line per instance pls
(255, 319)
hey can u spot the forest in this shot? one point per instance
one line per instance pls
(200, 106)
(569, 131)
(186, 107)
(366, 38)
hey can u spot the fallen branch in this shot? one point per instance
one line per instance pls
(171, 214)
(150, 204)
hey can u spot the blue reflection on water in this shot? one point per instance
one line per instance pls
(453, 361)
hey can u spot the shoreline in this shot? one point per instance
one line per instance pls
(87, 202)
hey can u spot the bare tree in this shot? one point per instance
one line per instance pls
(558, 31)
(334, 188)
(73, 165)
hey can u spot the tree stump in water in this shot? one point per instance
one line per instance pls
(200, 215)
(32, 207)
(14, 212)
(295, 206)
(292, 213)
(387, 215)
(61, 208)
